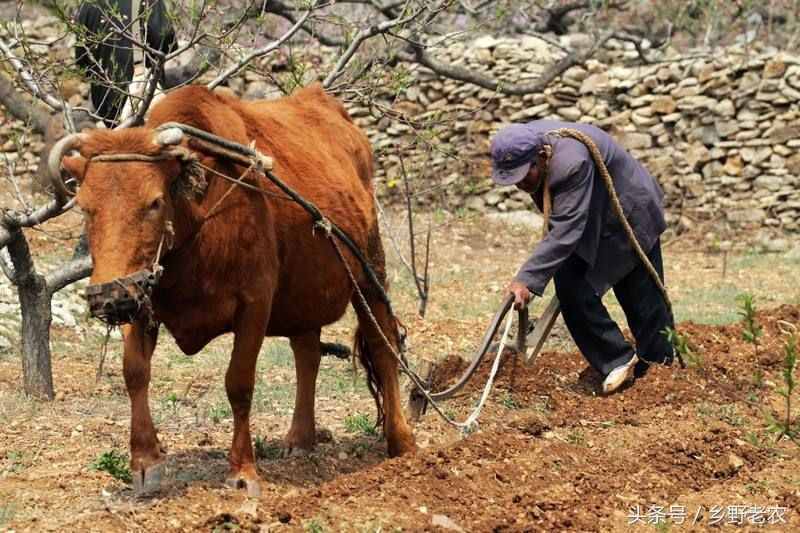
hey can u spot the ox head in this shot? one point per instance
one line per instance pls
(127, 186)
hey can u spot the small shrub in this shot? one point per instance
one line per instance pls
(115, 463)
(360, 423)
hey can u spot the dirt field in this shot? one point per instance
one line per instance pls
(680, 450)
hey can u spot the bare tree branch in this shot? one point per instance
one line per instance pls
(419, 55)
(262, 51)
(26, 77)
(10, 221)
(367, 33)
(73, 271)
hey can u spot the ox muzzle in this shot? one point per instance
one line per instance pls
(124, 300)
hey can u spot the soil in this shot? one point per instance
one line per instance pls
(549, 455)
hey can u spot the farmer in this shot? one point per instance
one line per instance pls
(586, 250)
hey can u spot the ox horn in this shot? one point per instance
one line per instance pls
(169, 137)
(57, 153)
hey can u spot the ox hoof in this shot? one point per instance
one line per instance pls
(147, 480)
(252, 485)
(295, 452)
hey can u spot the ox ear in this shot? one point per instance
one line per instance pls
(75, 166)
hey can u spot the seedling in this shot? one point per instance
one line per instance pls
(785, 427)
(115, 463)
(681, 344)
(752, 330)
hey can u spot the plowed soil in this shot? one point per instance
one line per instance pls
(549, 455)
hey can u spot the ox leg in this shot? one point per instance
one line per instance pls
(302, 434)
(146, 459)
(239, 383)
(399, 436)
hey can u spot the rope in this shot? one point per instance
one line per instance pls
(470, 424)
(617, 206)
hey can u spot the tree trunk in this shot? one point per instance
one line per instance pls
(34, 299)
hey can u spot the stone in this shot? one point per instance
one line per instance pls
(571, 114)
(595, 83)
(635, 141)
(664, 105)
(475, 203)
(774, 68)
(733, 165)
(446, 523)
(493, 197)
(726, 128)
(521, 218)
(746, 215)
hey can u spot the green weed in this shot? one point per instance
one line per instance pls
(509, 402)
(115, 463)
(360, 423)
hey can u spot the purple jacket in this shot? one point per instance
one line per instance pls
(582, 220)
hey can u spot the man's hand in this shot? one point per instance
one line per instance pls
(521, 294)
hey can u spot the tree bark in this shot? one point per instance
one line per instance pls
(34, 299)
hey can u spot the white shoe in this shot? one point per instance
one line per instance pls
(619, 375)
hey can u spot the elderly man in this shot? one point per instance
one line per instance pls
(586, 250)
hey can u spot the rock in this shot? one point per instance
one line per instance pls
(774, 68)
(595, 83)
(664, 105)
(741, 216)
(635, 141)
(735, 462)
(475, 203)
(526, 219)
(493, 198)
(570, 114)
(444, 522)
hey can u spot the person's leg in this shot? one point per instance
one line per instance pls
(598, 337)
(646, 310)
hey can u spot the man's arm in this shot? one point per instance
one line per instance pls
(571, 198)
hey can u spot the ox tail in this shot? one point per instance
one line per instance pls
(362, 350)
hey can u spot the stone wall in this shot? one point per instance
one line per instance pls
(721, 132)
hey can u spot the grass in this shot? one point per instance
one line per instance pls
(114, 463)
(313, 526)
(7, 512)
(15, 462)
(360, 423)
(509, 402)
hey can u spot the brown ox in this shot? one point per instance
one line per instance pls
(241, 261)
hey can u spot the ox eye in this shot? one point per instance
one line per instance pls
(156, 204)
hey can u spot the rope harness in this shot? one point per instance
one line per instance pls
(250, 157)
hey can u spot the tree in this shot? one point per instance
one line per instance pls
(373, 43)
